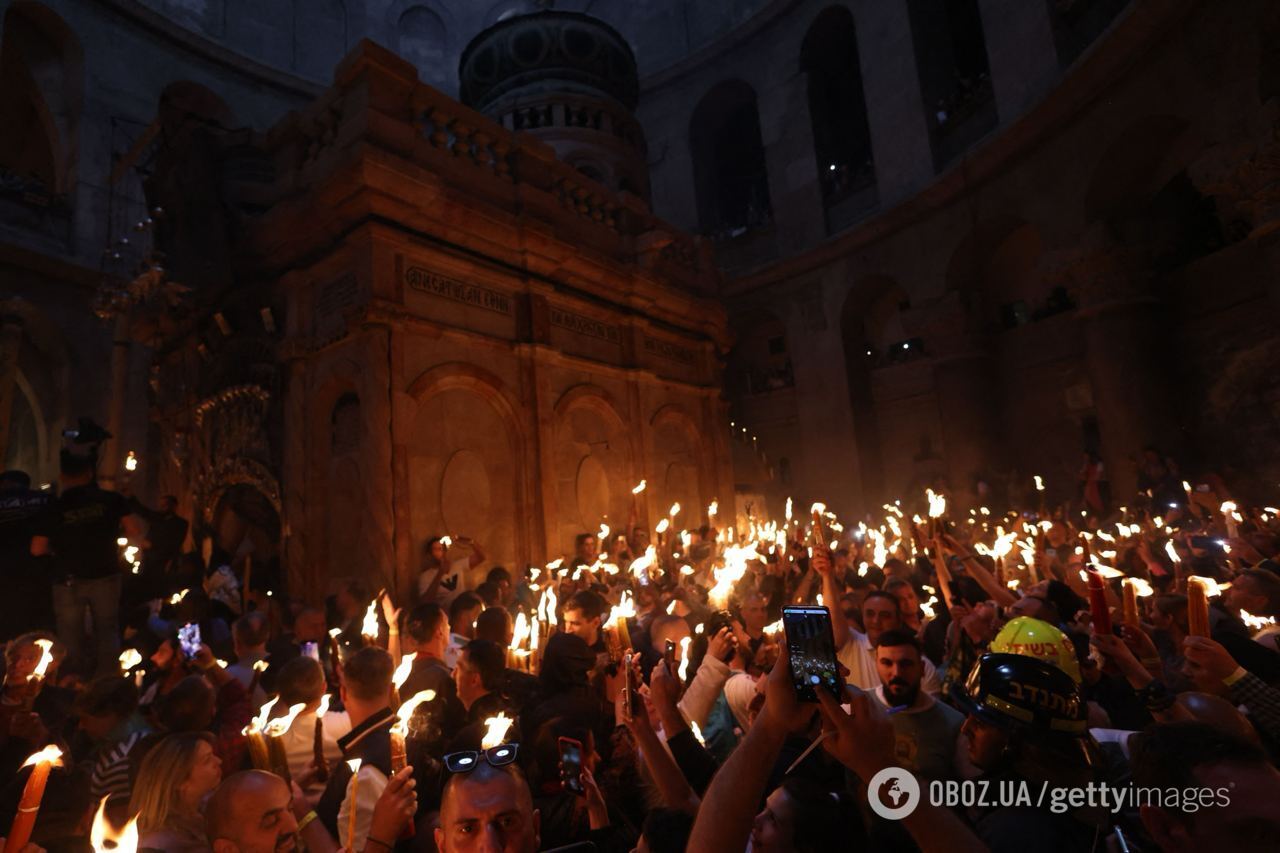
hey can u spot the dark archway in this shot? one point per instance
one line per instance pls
(730, 174)
(838, 112)
(41, 88)
(955, 75)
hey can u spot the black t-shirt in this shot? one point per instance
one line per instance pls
(83, 525)
(19, 510)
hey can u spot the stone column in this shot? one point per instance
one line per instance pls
(1020, 51)
(966, 384)
(1121, 323)
(112, 457)
(10, 349)
(895, 108)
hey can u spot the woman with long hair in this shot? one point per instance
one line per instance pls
(176, 776)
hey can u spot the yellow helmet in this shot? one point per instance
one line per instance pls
(1036, 639)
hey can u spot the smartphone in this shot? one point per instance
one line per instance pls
(811, 649)
(669, 655)
(628, 688)
(311, 650)
(189, 639)
(571, 764)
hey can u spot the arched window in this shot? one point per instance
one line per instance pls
(422, 41)
(40, 94)
(838, 111)
(730, 175)
(955, 78)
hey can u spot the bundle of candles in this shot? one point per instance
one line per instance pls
(264, 736)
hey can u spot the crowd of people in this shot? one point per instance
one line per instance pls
(997, 669)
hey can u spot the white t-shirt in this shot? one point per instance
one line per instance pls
(457, 579)
(860, 658)
(300, 740)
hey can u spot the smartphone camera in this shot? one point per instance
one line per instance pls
(189, 640)
(571, 764)
(811, 650)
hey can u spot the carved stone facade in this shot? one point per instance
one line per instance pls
(475, 340)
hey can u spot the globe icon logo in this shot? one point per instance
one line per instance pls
(893, 793)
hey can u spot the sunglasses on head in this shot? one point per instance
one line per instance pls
(467, 760)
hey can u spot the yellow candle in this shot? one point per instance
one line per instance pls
(354, 764)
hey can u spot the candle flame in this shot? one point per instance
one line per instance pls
(1211, 586)
(640, 488)
(697, 732)
(1227, 506)
(323, 707)
(675, 509)
(280, 725)
(401, 674)
(334, 632)
(259, 722)
(663, 525)
(1039, 482)
(604, 532)
(937, 504)
(131, 462)
(1172, 552)
(49, 755)
(1256, 622)
(369, 628)
(260, 666)
(671, 607)
(788, 509)
(520, 632)
(405, 712)
(130, 658)
(684, 657)
(624, 609)
(1140, 586)
(496, 729)
(123, 841)
(713, 509)
(547, 607)
(178, 596)
(354, 764)
(46, 658)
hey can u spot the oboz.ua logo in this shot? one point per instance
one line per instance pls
(893, 793)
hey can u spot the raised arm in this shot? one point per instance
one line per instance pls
(820, 562)
(729, 805)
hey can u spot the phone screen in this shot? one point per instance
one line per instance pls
(189, 639)
(571, 764)
(669, 655)
(811, 649)
(311, 650)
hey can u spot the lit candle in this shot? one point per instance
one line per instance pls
(25, 820)
(1229, 516)
(124, 841)
(317, 756)
(1197, 607)
(354, 764)
(1098, 602)
(1131, 618)
(400, 728)
(496, 729)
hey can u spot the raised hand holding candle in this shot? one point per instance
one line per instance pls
(1197, 607)
(317, 756)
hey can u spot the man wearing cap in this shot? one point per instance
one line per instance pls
(1027, 726)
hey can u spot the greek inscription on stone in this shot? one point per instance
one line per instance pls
(435, 284)
(668, 350)
(581, 325)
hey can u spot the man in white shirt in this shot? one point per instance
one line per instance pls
(444, 576)
(856, 650)
(880, 613)
(301, 682)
